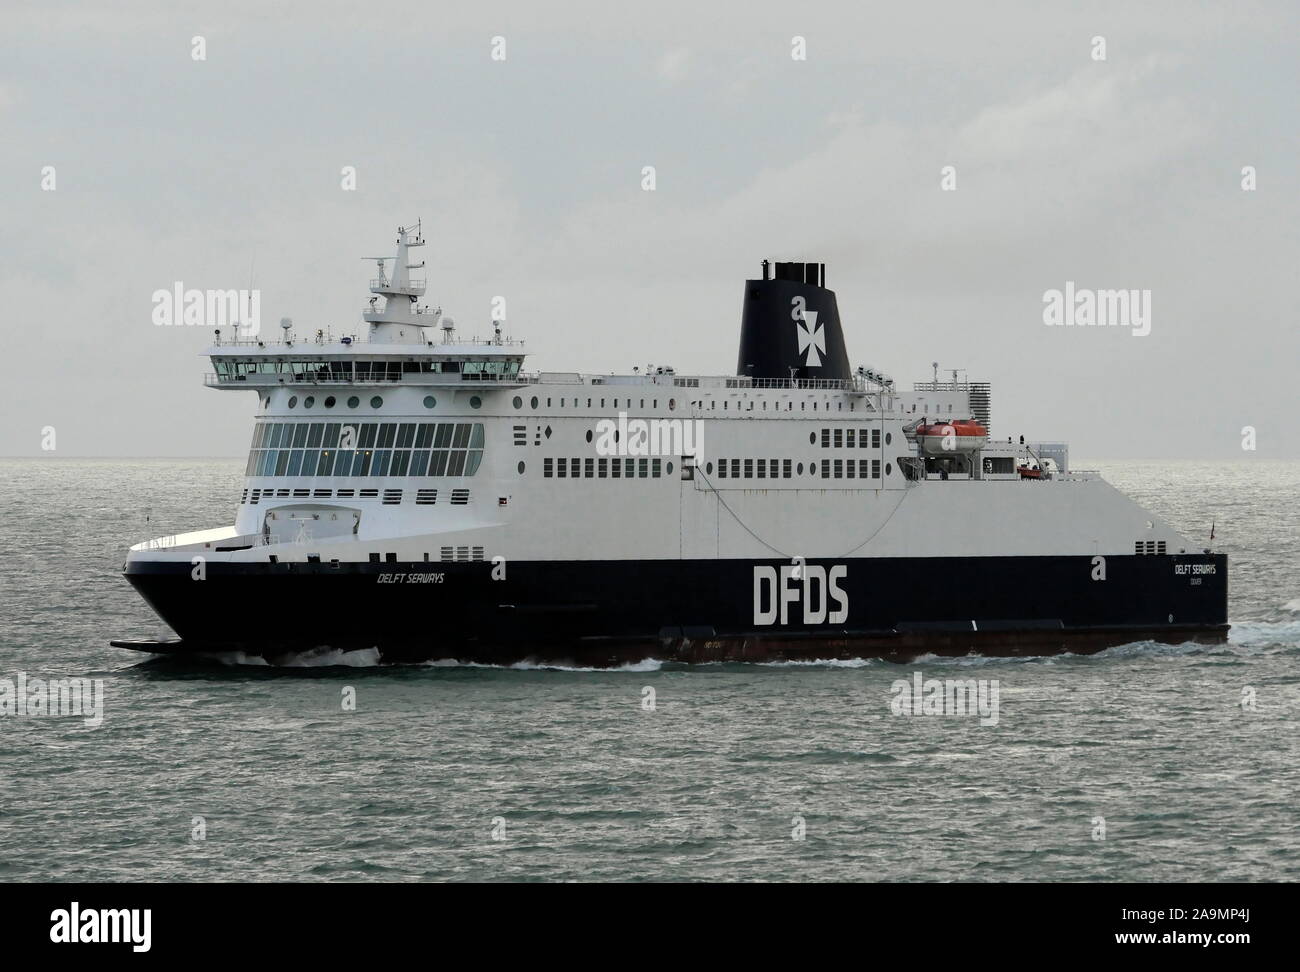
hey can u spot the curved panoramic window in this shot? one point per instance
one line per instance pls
(353, 402)
(430, 401)
(376, 402)
(355, 448)
(329, 401)
(293, 400)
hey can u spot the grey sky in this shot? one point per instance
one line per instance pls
(1117, 174)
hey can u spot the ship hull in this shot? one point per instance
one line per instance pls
(613, 613)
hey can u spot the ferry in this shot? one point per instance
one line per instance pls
(425, 496)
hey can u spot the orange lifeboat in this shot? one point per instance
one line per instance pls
(946, 438)
(1028, 472)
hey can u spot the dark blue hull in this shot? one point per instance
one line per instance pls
(614, 612)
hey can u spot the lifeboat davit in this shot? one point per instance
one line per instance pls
(946, 438)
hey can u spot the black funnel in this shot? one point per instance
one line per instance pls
(790, 326)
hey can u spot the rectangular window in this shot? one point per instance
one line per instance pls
(424, 437)
(875, 468)
(615, 468)
(314, 435)
(562, 468)
(589, 466)
(420, 462)
(379, 464)
(735, 468)
(655, 468)
(826, 469)
(839, 438)
(366, 435)
(875, 438)
(785, 468)
(762, 469)
(602, 468)
(722, 468)
(547, 468)
(331, 438)
(850, 467)
(406, 435)
(826, 438)
(629, 466)
(643, 467)
(387, 433)
(749, 468)
(401, 460)
(839, 468)
(848, 438)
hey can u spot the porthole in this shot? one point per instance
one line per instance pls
(888, 468)
(353, 402)
(801, 469)
(812, 438)
(521, 468)
(475, 401)
(308, 402)
(329, 401)
(589, 435)
(293, 401)
(708, 467)
(533, 403)
(376, 402)
(518, 402)
(888, 438)
(812, 469)
(430, 401)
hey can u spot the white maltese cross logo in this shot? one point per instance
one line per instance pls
(812, 338)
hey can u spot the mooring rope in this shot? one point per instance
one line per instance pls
(735, 516)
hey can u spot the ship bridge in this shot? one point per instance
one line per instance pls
(398, 344)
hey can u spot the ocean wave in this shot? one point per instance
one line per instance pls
(819, 663)
(532, 665)
(1261, 633)
(315, 658)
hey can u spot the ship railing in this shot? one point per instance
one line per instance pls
(415, 283)
(433, 316)
(327, 337)
(413, 377)
(829, 383)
